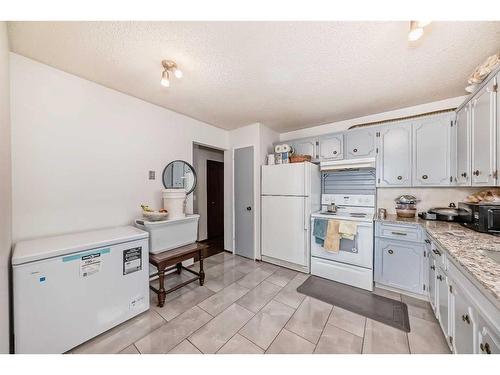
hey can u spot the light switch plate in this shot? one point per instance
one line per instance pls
(152, 175)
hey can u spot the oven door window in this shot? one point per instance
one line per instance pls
(494, 219)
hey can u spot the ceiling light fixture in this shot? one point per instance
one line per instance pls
(417, 29)
(168, 67)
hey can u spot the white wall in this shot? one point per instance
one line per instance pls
(429, 197)
(200, 157)
(81, 152)
(402, 112)
(261, 138)
(5, 189)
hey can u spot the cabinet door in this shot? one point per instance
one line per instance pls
(464, 322)
(442, 302)
(305, 147)
(394, 158)
(432, 283)
(400, 264)
(331, 147)
(432, 151)
(483, 137)
(489, 340)
(463, 170)
(360, 143)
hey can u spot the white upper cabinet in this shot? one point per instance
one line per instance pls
(432, 145)
(483, 115)
(463, 150)
(331, 147)
(360, 143)
(394, 155)
(307, 146)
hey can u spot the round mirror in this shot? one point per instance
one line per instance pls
(179, 175)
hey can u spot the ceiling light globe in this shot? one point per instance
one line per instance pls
(415, 34)
(178, 73)
(165, 81)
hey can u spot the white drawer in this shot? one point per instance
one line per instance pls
(399, 231)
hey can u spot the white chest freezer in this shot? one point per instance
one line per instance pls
(68, 289)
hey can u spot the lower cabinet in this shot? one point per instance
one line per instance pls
(464, 322)
(442, 286)
(400, 264)
(489, 342)
(431, 283)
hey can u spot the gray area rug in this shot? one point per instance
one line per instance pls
(385, 310)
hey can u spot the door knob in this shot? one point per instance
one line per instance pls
(249, 208)
(355, 150)
(391, 252)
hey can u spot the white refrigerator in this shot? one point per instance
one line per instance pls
(289, 194)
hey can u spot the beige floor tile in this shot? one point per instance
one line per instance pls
(218, 282)
(263, 328)
(426, 337)
(212, 336)
(335, 340)
(387, 293)
(310, 319)
(184, 302)
(259, 296)
(419, 308)
(289, 343)
(246, 266)
(282, 276)
(289, 295)
(383, 339)
(131, 349)
(240, 345)
(169, 335)
(268, 266)
(222, 256)
(217, 303)
(120, 337)
(348, 321)
(254, 278)
(185, 347)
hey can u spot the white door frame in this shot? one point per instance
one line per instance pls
(253, 199)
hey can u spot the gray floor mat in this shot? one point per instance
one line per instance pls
(385, 310)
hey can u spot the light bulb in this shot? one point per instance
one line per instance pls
(178, 73)
(415, 34)
(165, 81)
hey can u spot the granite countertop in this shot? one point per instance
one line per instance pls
(466, 247)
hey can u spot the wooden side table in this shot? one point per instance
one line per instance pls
(172, 259)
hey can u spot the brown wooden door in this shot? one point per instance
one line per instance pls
(215, 199)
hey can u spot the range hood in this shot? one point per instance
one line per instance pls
(347, 164)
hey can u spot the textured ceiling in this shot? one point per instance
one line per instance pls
(287, 75)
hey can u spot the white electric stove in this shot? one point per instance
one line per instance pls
(353, 263)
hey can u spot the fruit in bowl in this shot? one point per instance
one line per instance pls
(151, 215)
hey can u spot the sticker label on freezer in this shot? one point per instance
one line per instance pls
(132, 260)
(90, 264)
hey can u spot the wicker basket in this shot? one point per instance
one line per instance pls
(299, 158)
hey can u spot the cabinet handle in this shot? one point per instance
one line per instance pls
(355, 150)
(400, 177)
(399, 233)
(427, 241)
(439, 277)
(334, 152)
(437, 252)
(390, 251)
(464, 175)
(433, 268)
(425, 177)
(466, 318)
(485, 348)
(476, 172)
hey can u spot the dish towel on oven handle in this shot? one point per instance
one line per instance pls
(348, 229)
(332, 239)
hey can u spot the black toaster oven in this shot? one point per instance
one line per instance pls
(481, 217)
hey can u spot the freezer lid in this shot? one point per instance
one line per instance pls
(48, 247)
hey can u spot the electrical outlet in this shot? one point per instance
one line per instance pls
(152, 175)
